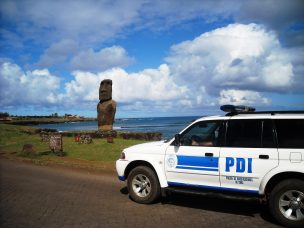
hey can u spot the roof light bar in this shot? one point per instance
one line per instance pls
(237, 108)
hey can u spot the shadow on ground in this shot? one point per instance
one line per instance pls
(238, 207)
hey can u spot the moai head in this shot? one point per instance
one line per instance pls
(105, 90)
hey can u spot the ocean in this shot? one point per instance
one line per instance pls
(168, 126)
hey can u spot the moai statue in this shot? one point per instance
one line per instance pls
(106, 107)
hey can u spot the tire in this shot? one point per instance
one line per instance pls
(143, 185)
(286, 203)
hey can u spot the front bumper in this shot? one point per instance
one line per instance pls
(121, 166)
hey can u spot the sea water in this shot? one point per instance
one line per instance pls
(167, 126)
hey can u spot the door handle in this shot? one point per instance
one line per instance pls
(263, 156)
(209, 154)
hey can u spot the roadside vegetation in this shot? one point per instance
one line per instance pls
(33, 120)
(97, 154)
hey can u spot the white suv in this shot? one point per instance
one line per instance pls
(241, 154)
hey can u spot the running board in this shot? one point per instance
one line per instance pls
(212, 193)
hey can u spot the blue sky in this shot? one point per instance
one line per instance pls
(166, 58)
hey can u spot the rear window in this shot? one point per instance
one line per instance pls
(290, 133)
(254, 133)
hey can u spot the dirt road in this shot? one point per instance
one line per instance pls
(39, 196)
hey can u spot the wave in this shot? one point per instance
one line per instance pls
(122, 120)
(151, 126)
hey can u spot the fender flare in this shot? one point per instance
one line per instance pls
(281, 170)
(157, 168)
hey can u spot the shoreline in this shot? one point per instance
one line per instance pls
(27, 122)
(167, 126)
(94, 134)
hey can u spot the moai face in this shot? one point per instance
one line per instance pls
(105, 90)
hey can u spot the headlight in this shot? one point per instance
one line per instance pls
(122, 156)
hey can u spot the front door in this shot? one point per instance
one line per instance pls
(195, 162)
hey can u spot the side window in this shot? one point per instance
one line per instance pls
(290, 133)
(207, 133)
(250, 133)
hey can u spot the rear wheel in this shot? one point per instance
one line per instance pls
(286, 203)
(143, 185)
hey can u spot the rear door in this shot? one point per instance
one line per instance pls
(290, 134)
(249, 153)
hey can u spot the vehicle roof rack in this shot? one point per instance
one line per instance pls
(266, 112)
(233, 110)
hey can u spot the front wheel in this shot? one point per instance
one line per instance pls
(286, 203)
(143, 185)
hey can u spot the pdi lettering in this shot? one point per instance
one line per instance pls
(241, 165)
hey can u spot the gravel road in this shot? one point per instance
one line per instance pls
(42, 196)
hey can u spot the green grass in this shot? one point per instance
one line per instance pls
(12, 139)
(99, 150)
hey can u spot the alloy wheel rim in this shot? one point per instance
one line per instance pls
(291, 205)
(141, 185)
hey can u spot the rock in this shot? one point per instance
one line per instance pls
(106, 134)
(85, 139)
(110, 140)
(28, 149)
(149, 136)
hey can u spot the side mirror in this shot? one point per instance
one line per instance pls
(177, 140)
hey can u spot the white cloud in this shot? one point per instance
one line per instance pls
(275, 74)
(161, 14)
(275, 14)
(95, 21)
(149, 89)
(234, 64)
(86, 21)
(58, 53)
(297, 60)
(106, 58)
(233, 57)
(149, 85)
(19, 88)
(241, 97)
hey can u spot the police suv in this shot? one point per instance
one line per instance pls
(242, 154)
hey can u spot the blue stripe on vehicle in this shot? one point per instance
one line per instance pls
(213, 187)
(122, 178)
(211, 162)
(195, 168)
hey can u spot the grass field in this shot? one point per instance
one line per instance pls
(12, 139)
